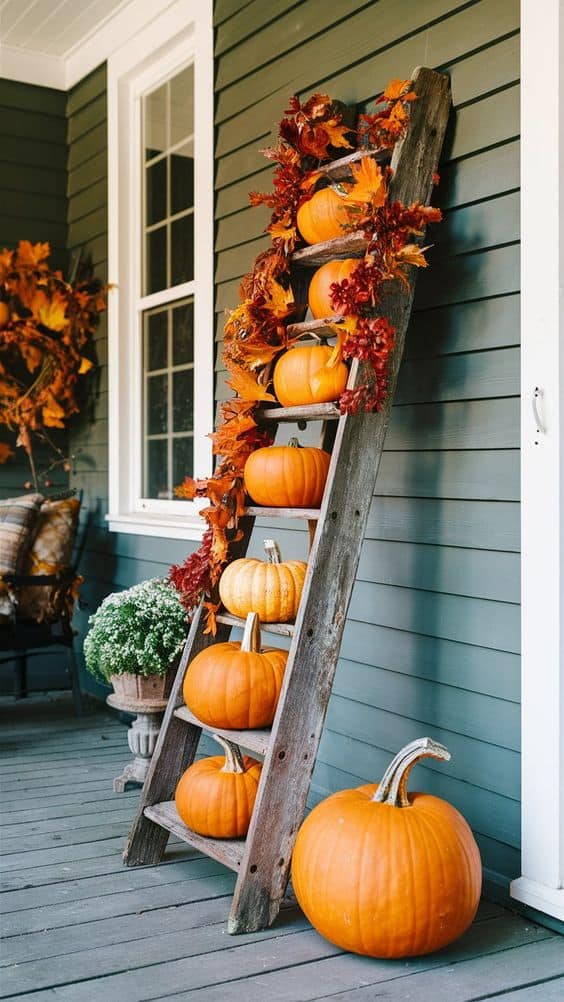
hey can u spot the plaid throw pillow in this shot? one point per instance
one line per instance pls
(50, 552)
(17, 522)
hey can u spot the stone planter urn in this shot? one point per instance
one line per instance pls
(147, 699)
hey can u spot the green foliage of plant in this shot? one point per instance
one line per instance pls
(140, 630)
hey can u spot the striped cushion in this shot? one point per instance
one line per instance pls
(17, 522)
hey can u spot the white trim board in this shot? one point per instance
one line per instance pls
(541, 884)
(156, 52)
(62, 73)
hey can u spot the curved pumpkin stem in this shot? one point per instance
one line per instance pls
(272, 551)
(336, 355)
(251, 635)
(294, 444)
(393, 787)
(233, 758)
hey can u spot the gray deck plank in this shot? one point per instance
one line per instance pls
(212, 882)
(79, 924)
(145, 949)
(325, 977)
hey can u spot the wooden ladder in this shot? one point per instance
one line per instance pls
(262, 860)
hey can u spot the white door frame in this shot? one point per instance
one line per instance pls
(541, 885)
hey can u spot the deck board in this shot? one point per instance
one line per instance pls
(77, 923)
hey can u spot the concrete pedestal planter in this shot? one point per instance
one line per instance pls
(147, 698)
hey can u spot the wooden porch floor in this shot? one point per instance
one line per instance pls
(79, 926)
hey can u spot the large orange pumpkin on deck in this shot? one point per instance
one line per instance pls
(287, 476)
(322, 217)
(236, 685)
(216, 796)
(385, 873)
(309, 374)
(272, 589)
(319, 295)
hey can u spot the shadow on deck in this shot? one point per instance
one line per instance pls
(79, 926)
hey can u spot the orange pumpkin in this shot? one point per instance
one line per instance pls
(272, 589)
(319, 295)
(385, 873)
(309, 374)
(236, 685)
(216, 795)
(322, 217)
(4, 314)
(287, 476)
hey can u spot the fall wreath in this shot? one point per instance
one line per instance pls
(310, 136)
(45, 327)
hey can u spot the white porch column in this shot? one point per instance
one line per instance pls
(542, 453)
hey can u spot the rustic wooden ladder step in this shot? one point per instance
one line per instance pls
(262, 860)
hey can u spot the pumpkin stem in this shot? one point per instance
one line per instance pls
(272, 551)
(393, 787)
(251, 636)
(294, 444)
(233, 758)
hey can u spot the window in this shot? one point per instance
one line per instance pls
(160, 134)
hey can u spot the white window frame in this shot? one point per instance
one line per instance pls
(541, 885)
(183, 33)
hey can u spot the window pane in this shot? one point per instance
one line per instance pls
(183, 334)
(182, 179)
(156, 476)
(156, 260)
(157, 387)
(156, 340)
(183, 400)
(155, 122)
(183, 459)
(182, 250)
(182, 105)
(156, 192)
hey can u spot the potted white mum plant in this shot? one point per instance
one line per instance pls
(135, 638)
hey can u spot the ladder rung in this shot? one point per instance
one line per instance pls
(227, 851)
(256, 741)
(309, 513)
(309, 412)
(339, 170)
(282, 629)
(320, 327)
(353, 245)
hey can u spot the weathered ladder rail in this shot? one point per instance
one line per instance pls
(262, 860)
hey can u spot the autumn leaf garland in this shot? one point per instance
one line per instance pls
(310, 135)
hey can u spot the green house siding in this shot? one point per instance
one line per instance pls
(432, 640)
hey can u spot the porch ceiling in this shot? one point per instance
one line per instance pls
(53, 29)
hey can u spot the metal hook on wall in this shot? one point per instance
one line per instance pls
(541, 427)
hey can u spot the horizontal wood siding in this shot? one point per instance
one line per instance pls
(432, 640)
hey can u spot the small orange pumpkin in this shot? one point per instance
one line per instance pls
(319, 295)
(287, 476)
(322, 217)
(309, 374)
(4, 313)
(386, 873)
(236, 685)
(216, 796)
(272, 589)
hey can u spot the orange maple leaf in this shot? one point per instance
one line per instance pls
(412, 254)
(32, 355)
(30, 255)
(399, 89)
(211, 617)
(369, 183)
(85, 366)
(246, 385)
(52, 412)
(52, 313)
(337, 133)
